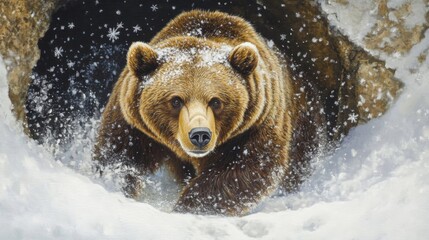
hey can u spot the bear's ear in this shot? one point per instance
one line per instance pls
(244, 58)
(141, 59)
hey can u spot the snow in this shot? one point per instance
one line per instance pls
(154, 7)
(136, 28)
(58, 52)
(113, 34)
(418, 10)
(71, 25)
(375, 186)
(359, 14)
(207, 56)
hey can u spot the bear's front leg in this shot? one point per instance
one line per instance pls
(236, 183)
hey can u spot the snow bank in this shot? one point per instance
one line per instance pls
(375, 186)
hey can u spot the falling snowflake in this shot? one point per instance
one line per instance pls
(353, 117)
(137, 28)
(154, 7)
(71, 25)
(58, 52)
(113, 34)
(70, 64)
(120, 25)
(282, 37)
(118, 12)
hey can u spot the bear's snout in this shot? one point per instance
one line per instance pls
(196, 132)
(200, 136)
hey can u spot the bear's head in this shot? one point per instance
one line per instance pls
(188, 94)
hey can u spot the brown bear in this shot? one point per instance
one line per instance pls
(209, 99)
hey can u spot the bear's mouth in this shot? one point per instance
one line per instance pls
(198, 153)
(194, 153)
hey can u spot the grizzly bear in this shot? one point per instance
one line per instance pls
(209, 99)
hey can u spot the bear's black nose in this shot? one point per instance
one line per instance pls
(200, 136)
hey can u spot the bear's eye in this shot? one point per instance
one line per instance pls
(176, 102)
(215, 104)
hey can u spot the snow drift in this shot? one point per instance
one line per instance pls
(375, 186)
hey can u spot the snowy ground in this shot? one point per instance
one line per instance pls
(376, 186)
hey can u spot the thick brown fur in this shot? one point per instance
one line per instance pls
(263, 130)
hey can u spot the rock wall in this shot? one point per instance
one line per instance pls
(392, 33)
(22, 23)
